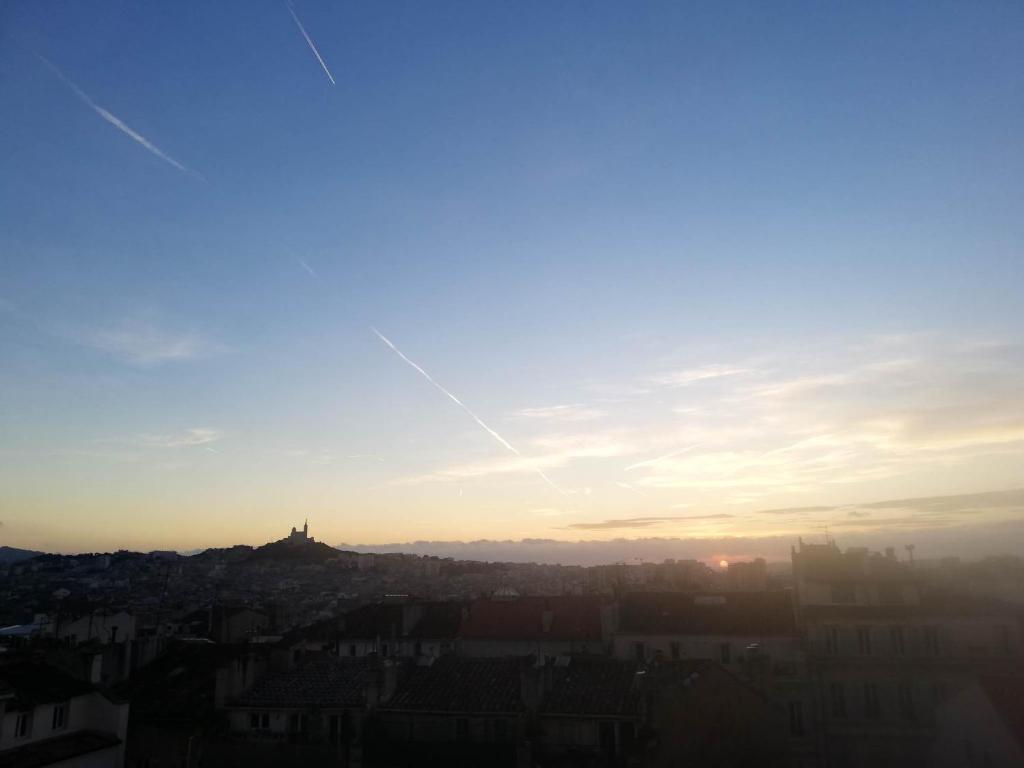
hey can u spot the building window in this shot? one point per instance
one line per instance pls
(461, 729)
(418, 648)
(60, 716)
(905, 697)
(23, 725)
(838, 696)
(352, 650)
(843, 593)
(931, 641)
(501, 730)
(831, 640)
(899, 646)
(384, 650)
(890, 594)
(796, 718)
(674, 649)
(638, 651)
(864, 641)
(871, 708)
(298, 723)
(725, 652)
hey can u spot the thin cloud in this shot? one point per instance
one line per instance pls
(792, 510)
(693, 375)
(505, 443)
(312, 45)
(953, 504)
(660, 459)
(146, 345)
(197, 436)
(312, 273)
(642, 522)
(367, 456)
(571, 412)
(115, 121)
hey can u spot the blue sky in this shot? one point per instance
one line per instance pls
(543, 205)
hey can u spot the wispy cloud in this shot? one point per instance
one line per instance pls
(792, 510)
(692, 375)
(480, 422)
(309, 270)
(145, 344)
(548, 452)
(572, 412)
(197, 436)
(643, 522)
(660, 459)
(115, 121)
(312, 45)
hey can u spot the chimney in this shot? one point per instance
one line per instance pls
(411, 615)
(96, 668)
(382, 684)
(531, 688)
(389, 682)
(609, 621)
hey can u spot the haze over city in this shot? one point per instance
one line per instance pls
(422, 274)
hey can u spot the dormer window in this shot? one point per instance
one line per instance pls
(23, 725)
(60, 716)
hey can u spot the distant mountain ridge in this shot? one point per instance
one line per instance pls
(10, 555)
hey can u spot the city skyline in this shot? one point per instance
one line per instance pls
(455, 273)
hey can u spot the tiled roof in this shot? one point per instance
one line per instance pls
(384, 620)
(376, 620)
(729, 613)
(439, 620)
(593, 687)
(455, 684)
(534, 618)
(34, 683)
(58, 750)
(320, 680)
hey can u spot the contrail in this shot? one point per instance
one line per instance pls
(115, 121)
(463, 406)
(659, 459)
(308, 268)
(312, 46)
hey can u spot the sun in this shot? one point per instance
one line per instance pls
(723, 563)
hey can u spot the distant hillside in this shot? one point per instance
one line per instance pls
(10, 555)
(237, 553)
(309, 552)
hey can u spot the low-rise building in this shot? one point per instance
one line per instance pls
(49, 718)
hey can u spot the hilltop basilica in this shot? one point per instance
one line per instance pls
(300, 537)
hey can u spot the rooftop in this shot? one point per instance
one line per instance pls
(34, 683)
(319, 680)
(728, 613)
(534, 618)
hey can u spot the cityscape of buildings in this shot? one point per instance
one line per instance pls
(297, 653)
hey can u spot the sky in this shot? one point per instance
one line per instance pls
(550, 271)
